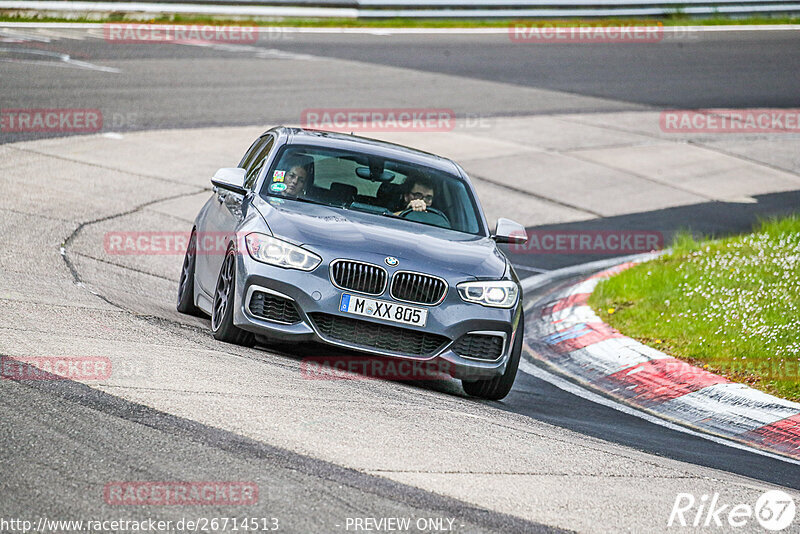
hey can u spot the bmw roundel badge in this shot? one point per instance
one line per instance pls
(391, 261)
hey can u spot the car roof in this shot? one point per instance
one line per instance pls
(367, 145)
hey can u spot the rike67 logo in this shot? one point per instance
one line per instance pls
(774, 511)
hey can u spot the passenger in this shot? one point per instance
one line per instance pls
(298, 174)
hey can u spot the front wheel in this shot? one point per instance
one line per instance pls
(186, 284)
(222, 326)
(498, 387)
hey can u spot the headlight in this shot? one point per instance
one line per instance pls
(270, 250)
(495, 293)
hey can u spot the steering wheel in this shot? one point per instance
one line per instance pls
(425, 215)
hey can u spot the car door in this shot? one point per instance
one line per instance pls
(223, 215)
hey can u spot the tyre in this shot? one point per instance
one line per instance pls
(186, 283)
(498, 387)
(222, 326)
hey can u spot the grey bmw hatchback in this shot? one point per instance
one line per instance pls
(360, 244)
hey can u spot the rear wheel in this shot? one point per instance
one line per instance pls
(186, 283)
(498, 387)
(222, 326)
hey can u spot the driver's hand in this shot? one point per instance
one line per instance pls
(417, 205)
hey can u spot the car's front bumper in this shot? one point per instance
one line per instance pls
(313, 292)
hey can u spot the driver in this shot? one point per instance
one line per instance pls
(293, 181)
(419, 194)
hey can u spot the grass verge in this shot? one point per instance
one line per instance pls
(731, 305)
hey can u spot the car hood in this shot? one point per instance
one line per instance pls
(340, 233)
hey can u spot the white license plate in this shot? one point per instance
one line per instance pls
(389, 311)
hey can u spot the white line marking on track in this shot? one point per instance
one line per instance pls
(54, 34)
(262, 53)
(570, 387)
(51, 59)
(531, 269)
(20, 37)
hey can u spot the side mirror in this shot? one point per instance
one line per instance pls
(509, 231)
(231, 178)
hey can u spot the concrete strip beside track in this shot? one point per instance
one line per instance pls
(466, 449)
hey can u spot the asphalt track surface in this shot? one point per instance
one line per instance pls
(52, 460)
(684, 70)
(57, 436)
(174, 86)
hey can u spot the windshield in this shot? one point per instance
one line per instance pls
(373, 184)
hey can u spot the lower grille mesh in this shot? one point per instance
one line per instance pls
(378, 336)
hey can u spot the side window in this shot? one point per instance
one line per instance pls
(254, 160)
(251, 152)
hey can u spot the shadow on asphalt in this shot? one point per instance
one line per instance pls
(709, 219)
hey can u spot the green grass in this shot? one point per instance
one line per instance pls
(730, 305)
(676, 19)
